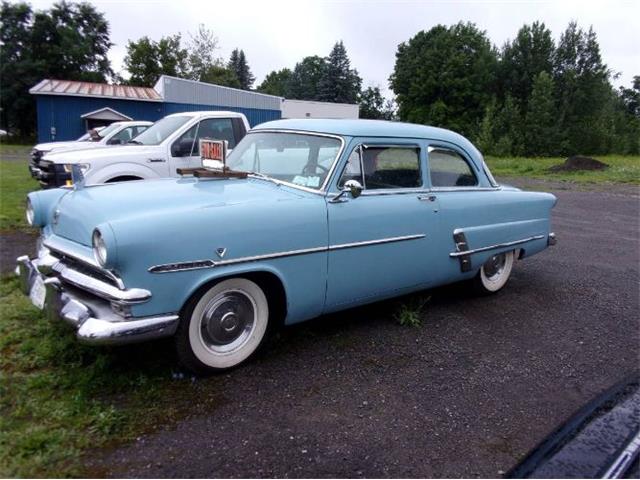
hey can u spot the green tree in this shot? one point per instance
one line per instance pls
(220, 75)
(306, 77)
(508, 129)
(540, 119)
(201, 48)
(582, 92)
(69, 41)
(339, 83)
(277, 83)
(146, 60)
(523, 59)
(445, 77)
(373, 105)
(238, 64)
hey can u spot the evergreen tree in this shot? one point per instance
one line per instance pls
(339, 82)
(220, 75)
(523, 59)
(541, 117)
(508, 129)
(305, 78)
(582, 92)
(238, 64)
(277, 83)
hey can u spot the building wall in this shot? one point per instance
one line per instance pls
(64, 113)
(311, 109)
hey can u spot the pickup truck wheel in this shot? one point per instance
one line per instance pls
(223, 326)
(493, 275)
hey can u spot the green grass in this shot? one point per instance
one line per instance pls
(58, 398)
(15, 183)
(622, 169)
(409, 313)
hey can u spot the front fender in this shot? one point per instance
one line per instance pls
(121, 169)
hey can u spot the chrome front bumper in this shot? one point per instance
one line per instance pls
(92, 316)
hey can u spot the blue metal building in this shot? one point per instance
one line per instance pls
(67, 109)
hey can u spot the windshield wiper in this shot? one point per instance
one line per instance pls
(263, 177)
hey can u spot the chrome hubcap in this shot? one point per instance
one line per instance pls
(227, 321)
(494, 267)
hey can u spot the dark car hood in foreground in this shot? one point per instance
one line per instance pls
(600, 441)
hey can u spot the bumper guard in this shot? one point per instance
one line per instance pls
(91, 316)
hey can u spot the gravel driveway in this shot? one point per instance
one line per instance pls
(466, 394)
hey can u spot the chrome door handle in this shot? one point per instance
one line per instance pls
(427, 197)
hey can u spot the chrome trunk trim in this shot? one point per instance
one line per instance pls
(493, 247)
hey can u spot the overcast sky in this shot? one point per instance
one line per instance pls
(276, 34)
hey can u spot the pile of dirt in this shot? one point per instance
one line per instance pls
(577, 163)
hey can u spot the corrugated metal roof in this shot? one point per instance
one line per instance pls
(179, 90)
(88, 89)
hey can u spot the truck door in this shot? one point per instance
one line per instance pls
(185, 151)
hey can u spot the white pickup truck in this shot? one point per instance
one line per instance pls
(117, 133)
(167, 145)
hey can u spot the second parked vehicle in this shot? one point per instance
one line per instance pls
(167, 145)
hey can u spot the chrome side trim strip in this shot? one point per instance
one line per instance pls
(625, 458)
(404, 238)
(200, 264)
(493, 247)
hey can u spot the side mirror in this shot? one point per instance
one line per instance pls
(182, 148)
(352, 187)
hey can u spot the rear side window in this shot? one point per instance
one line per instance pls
(448, 168)
(386, 167)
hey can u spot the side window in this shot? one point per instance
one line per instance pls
(139, 129)
(188, 144)
(449, 169)
(391, 167)
(122, 136)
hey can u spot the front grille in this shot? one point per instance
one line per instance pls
(86, 269)
(52, 174)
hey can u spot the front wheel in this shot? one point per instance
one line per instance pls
(223, 326)
(495, 272)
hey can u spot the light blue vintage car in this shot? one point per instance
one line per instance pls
(334, 214)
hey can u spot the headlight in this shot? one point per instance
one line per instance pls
(99, 248)
(68, 167)
(30, 214)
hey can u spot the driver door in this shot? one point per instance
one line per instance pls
(185, 150)
(381, 243)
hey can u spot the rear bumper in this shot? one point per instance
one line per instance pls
(92, 317)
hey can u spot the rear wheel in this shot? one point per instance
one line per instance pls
(222, 327)
(495, 272)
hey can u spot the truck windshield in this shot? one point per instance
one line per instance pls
(105, 131)
(301, 159)
(159, 131)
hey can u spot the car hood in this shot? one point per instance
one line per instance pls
(161, 201)
(108, 153)
(48, 146)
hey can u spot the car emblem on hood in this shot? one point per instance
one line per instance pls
(221, 251)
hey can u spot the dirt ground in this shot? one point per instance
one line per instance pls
(467, 394)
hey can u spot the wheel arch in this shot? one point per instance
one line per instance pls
(268, 279)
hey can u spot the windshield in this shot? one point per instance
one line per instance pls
(301, 159)
(159, 131)
(106, 131)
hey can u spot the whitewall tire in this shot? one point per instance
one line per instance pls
(495, 272)
(222, 327)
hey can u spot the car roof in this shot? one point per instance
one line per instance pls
(209, 113)
(370, 128)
